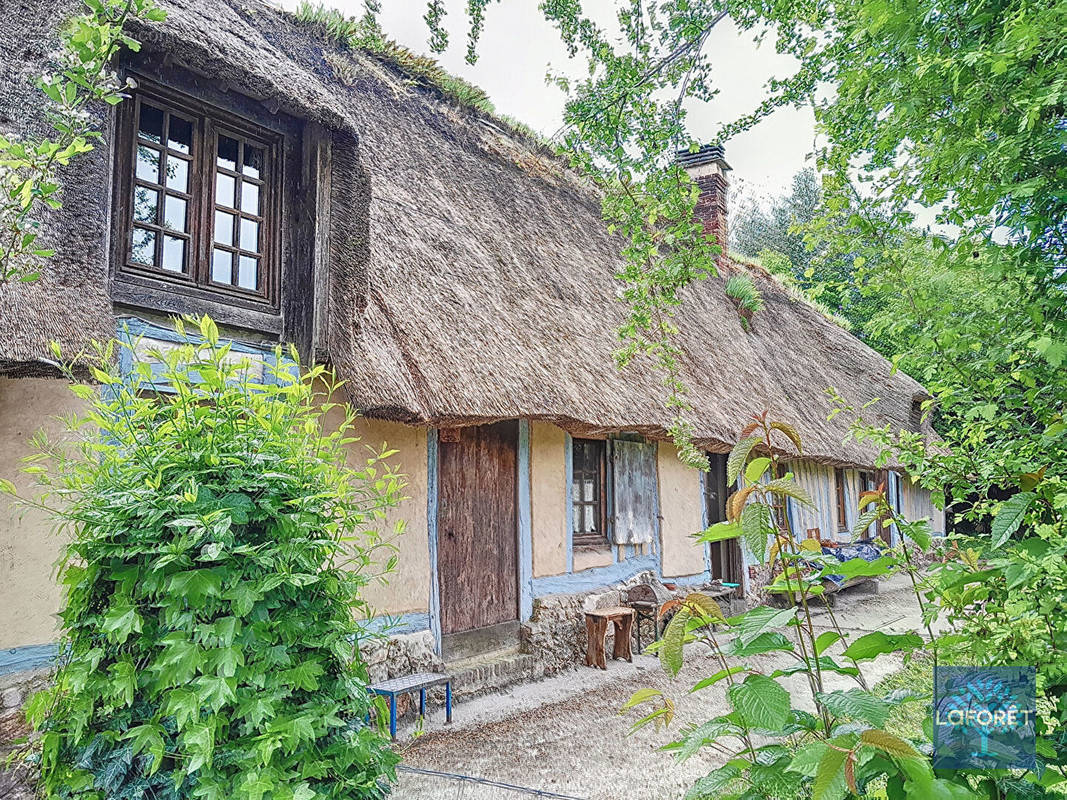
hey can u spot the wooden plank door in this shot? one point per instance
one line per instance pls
(477, 527)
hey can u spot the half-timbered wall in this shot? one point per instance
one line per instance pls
(682, 504)
(407, 590)
(29, 593)
(548, 497)
(818, 481)
(916, 504)
(549, 564)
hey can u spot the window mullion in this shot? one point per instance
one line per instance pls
(205, 202)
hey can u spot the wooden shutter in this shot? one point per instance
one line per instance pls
(635, 485)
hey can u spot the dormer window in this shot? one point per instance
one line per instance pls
(201, 190)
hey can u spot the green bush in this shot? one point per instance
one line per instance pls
(217, 548)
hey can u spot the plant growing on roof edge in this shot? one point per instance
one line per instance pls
(30, 165)
(217, 550)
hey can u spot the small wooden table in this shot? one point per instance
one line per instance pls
(411, 683)
(596, 628)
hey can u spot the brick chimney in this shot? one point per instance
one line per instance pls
(707, 168)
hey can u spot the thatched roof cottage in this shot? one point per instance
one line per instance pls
(460, 279)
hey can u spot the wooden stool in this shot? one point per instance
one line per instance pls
(596, 628)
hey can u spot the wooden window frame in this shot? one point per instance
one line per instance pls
(209, 121)
(842, 509)
(600, 537)
(779, 502)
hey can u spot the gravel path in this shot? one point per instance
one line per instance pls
(565, 734)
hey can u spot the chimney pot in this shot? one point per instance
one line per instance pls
(707, 168)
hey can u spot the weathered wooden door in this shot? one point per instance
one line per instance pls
(477, 527)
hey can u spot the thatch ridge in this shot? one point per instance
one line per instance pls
(481, 286)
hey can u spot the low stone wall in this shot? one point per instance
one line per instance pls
(16, 783)
(404, 654)
(555, 634)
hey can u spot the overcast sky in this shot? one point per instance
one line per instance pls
(518, 46)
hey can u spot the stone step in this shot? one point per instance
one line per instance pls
(489, 672)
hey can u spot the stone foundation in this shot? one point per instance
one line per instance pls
(400, 655)
(555, 634)
(16, 782)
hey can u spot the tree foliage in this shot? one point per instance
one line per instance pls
(30, 166)
(778, 225)
(217, 549)
(772, 745)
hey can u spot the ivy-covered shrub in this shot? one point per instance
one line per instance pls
(217, 548)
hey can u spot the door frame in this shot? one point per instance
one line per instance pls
(524, 567)
(731, 548)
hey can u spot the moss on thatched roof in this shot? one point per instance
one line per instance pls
(485, 288)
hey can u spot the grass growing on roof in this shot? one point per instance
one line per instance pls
(742, 291)
(364, 34)
(795, 291)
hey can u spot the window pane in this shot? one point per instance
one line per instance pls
(173, 254)
(145, 202)
(148, 164)
(250, 235)
(253, 161)
(224, 190)
(581, 457)
(587, 493)
(174, 214)
(221, 266)
(144, 247)
(223, 227)
(248, 273)
(588, 525)
(180, 134)
(177, 174)
(227, 153)
(249, 198)
(150, 125)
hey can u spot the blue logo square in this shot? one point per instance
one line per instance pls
(984, 717)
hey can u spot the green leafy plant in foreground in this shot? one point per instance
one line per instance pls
(217, 548)
(822, 743)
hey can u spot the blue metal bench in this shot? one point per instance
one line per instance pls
(410, 683)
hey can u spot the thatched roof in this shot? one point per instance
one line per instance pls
(486, 288)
